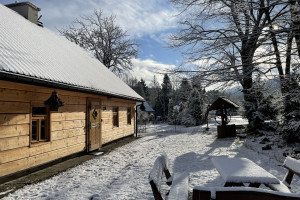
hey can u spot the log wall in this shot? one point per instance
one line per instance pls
(109, 132)
(67, 126)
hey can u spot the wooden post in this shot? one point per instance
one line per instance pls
(136, 128)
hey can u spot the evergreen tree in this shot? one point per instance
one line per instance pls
(140, 87)
(171, 112)
(158, 108)
(184, 90)
(264, 109)
(165, 96)
(144, 88)
(196, 106)
(153, 91)
(132, 82)
(140, 90)
(291, 124)
(196, 83)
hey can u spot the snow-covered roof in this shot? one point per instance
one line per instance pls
(148, 108)
(222, 102)
(34, 53)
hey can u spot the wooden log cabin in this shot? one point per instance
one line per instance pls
(56, 99)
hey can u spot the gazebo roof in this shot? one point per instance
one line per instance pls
(222, 102)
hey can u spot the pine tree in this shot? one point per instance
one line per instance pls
(196, 106)
(165, 96)
(158, 108)
(140, 90)
(264, 109)
(140, 87)
(153, 91)
(171, 116)
(144, 88)
(291, 124)
(196, 83)
(184, 90)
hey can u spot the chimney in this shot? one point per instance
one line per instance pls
(27, 10)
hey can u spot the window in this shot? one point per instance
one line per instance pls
(39, 124)
(115, 116)
(129, 116)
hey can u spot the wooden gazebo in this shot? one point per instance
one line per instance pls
(222, 104)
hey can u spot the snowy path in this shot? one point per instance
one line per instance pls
(123, 173)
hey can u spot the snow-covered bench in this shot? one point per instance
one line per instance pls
(240, 193)
(179, 182)
(293, 167)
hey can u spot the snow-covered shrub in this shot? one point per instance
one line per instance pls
(185, 118)
(291, 125)
(186, 106)
(262, 108)
(173, 115)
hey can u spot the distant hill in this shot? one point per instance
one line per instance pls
(273, 86)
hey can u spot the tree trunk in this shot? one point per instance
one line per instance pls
(250, 101)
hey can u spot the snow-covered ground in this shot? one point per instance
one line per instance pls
(123, 173)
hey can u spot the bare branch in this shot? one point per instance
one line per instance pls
(106, 40)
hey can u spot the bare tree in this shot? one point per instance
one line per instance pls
(230, 35)
(103, 37)
(295, 21)
(238, 26)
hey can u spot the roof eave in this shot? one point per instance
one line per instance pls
(226, 104)
(20, 78)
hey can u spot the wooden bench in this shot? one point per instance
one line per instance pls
(293, 167)
(179, 182)
(240, 193)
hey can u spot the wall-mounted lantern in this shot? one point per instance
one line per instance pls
(54, 102)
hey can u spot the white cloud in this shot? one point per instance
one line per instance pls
(136, 16)
(146, 69)
(162, 37)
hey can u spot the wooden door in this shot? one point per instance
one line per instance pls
(94, 124)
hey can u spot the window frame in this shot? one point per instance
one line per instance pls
(129, 116)
(115, 116)
(39, 118)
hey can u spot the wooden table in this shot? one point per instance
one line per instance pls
(238, 171)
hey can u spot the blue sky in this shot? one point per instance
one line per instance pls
(148, 22)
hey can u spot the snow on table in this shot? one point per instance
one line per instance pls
(214, 190)
(242, 170)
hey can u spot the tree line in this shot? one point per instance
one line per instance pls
(182, 101)
(226, 42)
